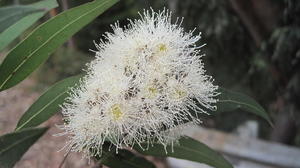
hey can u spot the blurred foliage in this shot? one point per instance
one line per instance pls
(230, 52)
(120, 12)
(236, 62)
(63, 63)
(11, 2)
(227, 41)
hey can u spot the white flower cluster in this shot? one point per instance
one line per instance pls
(146, 79)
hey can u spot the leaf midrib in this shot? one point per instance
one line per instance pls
(31, 118)
(51, 37)
(199, 153)
(196, 151)
(233, 101)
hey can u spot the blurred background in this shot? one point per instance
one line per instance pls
(252, 46)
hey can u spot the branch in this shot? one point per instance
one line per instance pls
(258, 17)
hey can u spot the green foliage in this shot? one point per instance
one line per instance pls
(230, 101)
(15, 144)
(10, 15)
(38, 46)
(48, 104)
(123, 159)
(20, 18)
(189, 149)
(59, 67)
(120, 12)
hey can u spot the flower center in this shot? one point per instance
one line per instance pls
(152, 91)
(162, 47)
(116, 112)
(179, 94)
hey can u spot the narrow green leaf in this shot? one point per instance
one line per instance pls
(188, 149)
(229, 101)
(15, 144)
(37, 47)
(14, 30)
(48, 104)
(124, 159)
(10, 15)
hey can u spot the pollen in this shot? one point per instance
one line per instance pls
(153, 91)
(180, 93)
(162, 47)
(116, 112)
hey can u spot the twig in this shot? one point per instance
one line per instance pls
(245, 10)
(63, 161)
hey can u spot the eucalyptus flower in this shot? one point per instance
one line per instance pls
(143, 84)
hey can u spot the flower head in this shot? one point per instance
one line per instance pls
(145, 80)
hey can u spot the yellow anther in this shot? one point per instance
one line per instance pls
(116, 111)
(162, 47)
(153, 91)
(179, 94)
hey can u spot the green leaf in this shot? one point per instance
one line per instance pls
(10, 15)
(48, 104)
(188, 149)
(25, 21)
(15, 144)
(229, 101)
(37, 47)
(123, 159)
